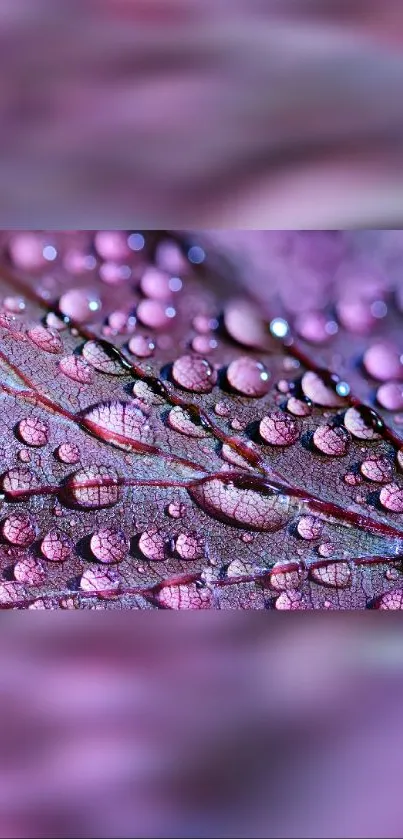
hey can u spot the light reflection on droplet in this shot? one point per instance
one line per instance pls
(279, 327)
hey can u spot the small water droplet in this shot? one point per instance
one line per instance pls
(155, 283)
(189, 546)
(391, 497)
(29, 571)
(335, 574)
(390, 396)
(194, 374)
(153, 313)
(237, 425)
(352, 479)
(279, 429)
(315, 327)
(122, 423)
(286, 580)
(111, 244)
(56, 545)
(68, 453)
(19, 529)
(112, 273)
(245, 325)
(391, 600)
(391, 574)
(248, 377)
(361, 423)
(109, 545)
(382, 362)
(95, 486)
(298, 407)
(222, 409)
(53, 321)
(309, 527)
(152, 545)
(331, 441)
(321, 389)
(26, 250)
(326, 549)
(33, 431)
(98, 579)
(80, 305)
(188, 596)
(236, 503)
(103, 358)
(16, 305)
(76, 369)
(24, 455)
(377, 469)
(231, 456)
(18, 480)
(204, 344)
(176, 510)
(11, 592)
(279, 328)
(141, 346)
(46, 339)
(290, 601)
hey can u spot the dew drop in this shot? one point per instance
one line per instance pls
(111, 244)
(237, 504)
(15, 305)
(231, 456)
(278, 429)
(141, 346)
(351, 479)
(391, 600)
(19, 529)
(314, 327)
(309, 528)
(98, 579)
(68, 453)
(391, 497)
(331, 441)
(54, 322)
(282, 579)
(11, 593)
(76, 369)
(80, 305)
(121, 423)
(176, 510)
(320, 392)
(121, 322)
(103, 358)
(155, 283)
(390, 396)
(298, 407)
(194, 374)
(361, 424)
(112, 273)
(189, 546)
(245, 325)
(152, 545)
(109, 545)
(222, 409)
(56, 545)
(29, 571)
(335, 574)
(188, 596)
(377, 469)
(248, 377)
(18, 480)
(24, 455)
(153, 313)
(46, 339)
(326, 549)
(203, 344)
(33, 431)
(290, 601)
(382, 362)
(95, 486)
(26, 251)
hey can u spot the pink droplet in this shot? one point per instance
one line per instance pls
(95, 486)
(111, 244)
(279, 429)
(382, 362)
(231, 456)
(68, 453)
(56, 545)
(26, 251)
(298, 407)
(391, 497)
(29, 571)
(19, 529)
(188, 596)
(121, 322)
(194, 374)
(356, 424)
(76, 369)
(242, 507)
(33, 431)
(80, 304)
(46, 339)
(335, 574)
(390, 396)
(169, 257)
(246, 325)
(179, 420)
(18, 480)
(112, 273)
(314, 327)
(15, 305)
(97, 356)
(377, 469)
(309, 528)
(282, 579)
(122, 423)
(248, 377)
(204, 344)
(290, 601)
(189, 546)
(153, 314)
(142, 346)
(98, 579)
(355, 315)
(109, 545)
(176, 510)
(222, 409)
(152, 545)
(155, 283)
(391, 600)
(320, 393)
(331, 441)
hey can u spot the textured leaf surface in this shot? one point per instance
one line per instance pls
(200, 429)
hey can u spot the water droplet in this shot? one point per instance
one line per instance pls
(248, 377)
(194, 374)
(282, 579)
(290, 601)
(391, 497)
(204, 344)
(204, 324)
(188, 596)
(355, 314)
(26, 251)
(80, 304)
(231, 456)
(18, 480)
(155, 283)
(102, 357)
(391, 574)
(391, 600)
(24, 455)
(95, 486)
(382, 362)
(46, 339)
(19, 529)
(76, 369)
(121, 322)
(390, 396)
(237, 425)
(352, 479)
(98, 579)
(153, 313)
(176, 510)
(335, 574)
(321, 390)
(222, 409)
(245, 325)
(278, 429)
(136, 241)
(331, 441)
(309, 528)
(196, 255)
(142, 346)
(189, 546)
(109, 545)
(120, 423)
(54, 322)
(68, 453)
(56, 545)
(152, 545)
(16, 305)
(111, 244)
(326, 549)
(237, 504)
(314, 327)
(377, 469)
(298, 408)
(11, 593)
(33, 431)
(361, 424)
(29, 571)
(112, 273)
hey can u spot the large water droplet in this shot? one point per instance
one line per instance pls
(377, 468)
(240, 505)
(29, 571)
(390, 396)
(80, 305)
(33, 431)
(142, 346)
(382, 362)
(245, 324)
(109, 545)
(230, 455)
(189, 546)
(18, 480)
(120, 423)
(15, 305)
(75, 368)
(194, 374)
(95, 486)
(189, 596)
(321, 390)
(309, 527)
(68, 453)
(248, 377)
(391, 600)
(19, 529)
(11, 593)
(98, 579)
(103, 358)
(391, 497)
(152, 545)
(46, 339)
(56, 545)
(331, 441)
(278, 429)
(361, 424)
(335, 574)
(283, 579)
(179, 420)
